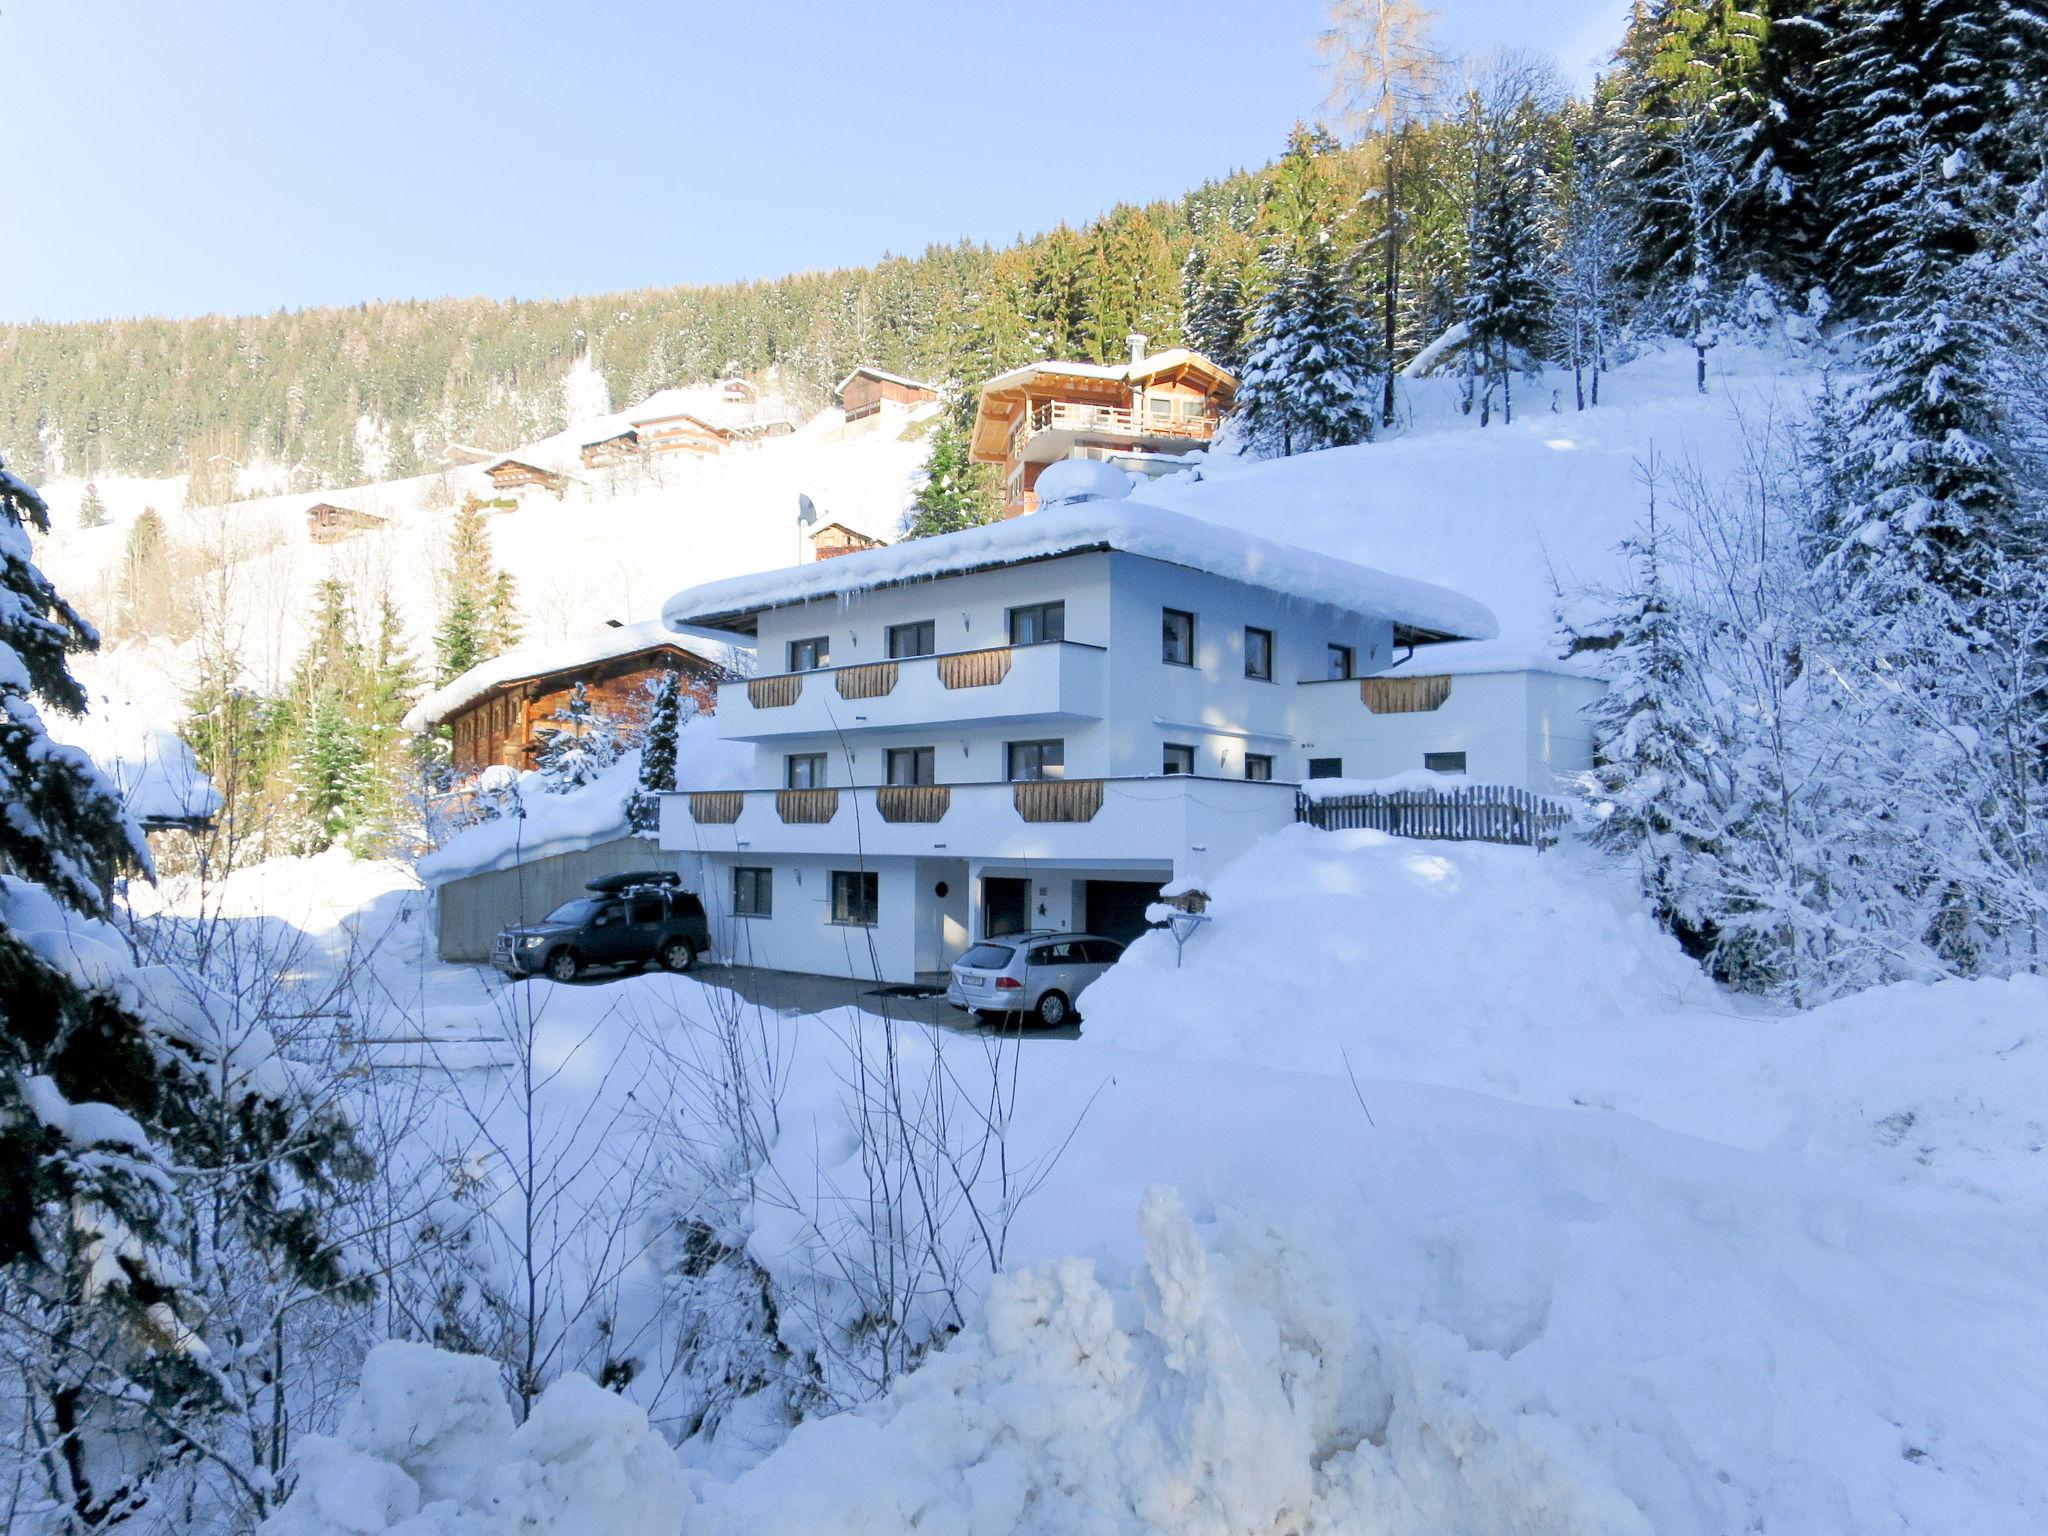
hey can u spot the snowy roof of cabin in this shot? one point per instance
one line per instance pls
(1129, 527)
(1115, 373)
(525, 661)
(707, 403)
(885, 376)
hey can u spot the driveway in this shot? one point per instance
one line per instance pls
(792, 992)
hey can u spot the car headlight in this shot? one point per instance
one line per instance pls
(532, 941)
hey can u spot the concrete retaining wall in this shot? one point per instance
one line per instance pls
(469, 912)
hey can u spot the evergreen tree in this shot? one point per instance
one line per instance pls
(479, 615)
(1057, 308)
(1213, 301)
(1590, 244)
(659, 743)
(92, 512)
(1310, 379)
(955, 492)
(105, 1090)
(580, 745)
(1131, 287)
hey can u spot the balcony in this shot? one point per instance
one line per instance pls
(1061, 680)
(1051, 429)
(1200, 822)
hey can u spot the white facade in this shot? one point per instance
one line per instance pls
(1171, 768)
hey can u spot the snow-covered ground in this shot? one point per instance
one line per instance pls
(1432, 1190)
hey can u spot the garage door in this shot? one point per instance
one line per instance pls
(1116, 908)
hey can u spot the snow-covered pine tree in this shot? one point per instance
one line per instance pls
(104, 1088)
(1213, 301)
(92, 512)
(955, 492)
(1590, 242)
(1310, 379)
(669, 708)
(580, 745)
(1505, 122)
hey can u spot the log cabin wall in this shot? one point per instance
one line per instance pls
(864, 395)
(505, 728)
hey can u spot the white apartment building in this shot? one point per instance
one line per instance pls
(1039, 723)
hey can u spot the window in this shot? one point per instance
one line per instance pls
(611, 915)
(1193, 408)
(1037, 760)
(912, 765)
(1062, 952)
(1341, 661)
(646, 910)
(855, 896)
(1444, 762)
(919, 639)
(1177, 759)
(1176, 637)
(1162, 408)
(809, 655)
(804, 770)
(988, 957)
(1326, 767)
(1258, 766)
(1103, 951)
(753, 892)
(1038, 624)
(1258, 654)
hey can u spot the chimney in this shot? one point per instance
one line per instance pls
(1136, 343)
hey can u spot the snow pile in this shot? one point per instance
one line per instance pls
(1072, 481)
(1129, 526)
(428, 1449)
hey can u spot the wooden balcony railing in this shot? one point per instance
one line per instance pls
(869, 682)
(777, 692)
(1058, 799)
(1119, 420)
(914, 802)
(807, 807)
(1404, 695)
(717, 807)
(975, 669)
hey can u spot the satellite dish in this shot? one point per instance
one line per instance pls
(806, 509)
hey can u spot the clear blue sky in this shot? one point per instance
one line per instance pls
(186, 156)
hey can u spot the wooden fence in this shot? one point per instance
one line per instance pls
(1485, 813)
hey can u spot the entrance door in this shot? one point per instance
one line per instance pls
(1005, 906)
(1116, 908)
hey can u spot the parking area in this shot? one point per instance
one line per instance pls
(790, 992)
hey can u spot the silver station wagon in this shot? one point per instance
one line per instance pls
(1039, 973)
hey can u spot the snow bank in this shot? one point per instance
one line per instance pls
(539, 824)
(428, 1449)
(1130, 526)
(1071, 481)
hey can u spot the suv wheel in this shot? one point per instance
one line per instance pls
(678, 955)
(1054, 1010)
(564, 966)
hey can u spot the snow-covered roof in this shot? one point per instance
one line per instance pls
(541, 660)
(1114, 373)
(1130, 527)
(885, 376)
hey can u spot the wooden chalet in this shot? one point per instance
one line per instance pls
(518, 475)
(496, 712)
(619, 448)
(670, 429)
(326, 522)
(1140, 414)
(833, 539)
(863, 392)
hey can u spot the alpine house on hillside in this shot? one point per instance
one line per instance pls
(1032, 724)
(1142, 415)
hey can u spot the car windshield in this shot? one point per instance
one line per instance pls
(575, 913)
(988, 956)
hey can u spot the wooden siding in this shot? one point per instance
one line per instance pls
(975, 669)
(872, 681)
(807, 807)
(776, 692)
(1058, 799)
(504, 727)
(914, 802)
(1404, 695)
(717, 807)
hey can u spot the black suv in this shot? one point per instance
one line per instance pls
(628, 919)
